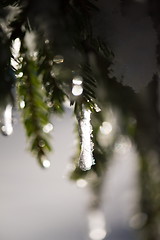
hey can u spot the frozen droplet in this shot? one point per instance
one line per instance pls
(77, 88)
(77, 80)
(58, 59)
(86, 159)
(22, 104)
(81, 183)
(47, 128)
(45, 162)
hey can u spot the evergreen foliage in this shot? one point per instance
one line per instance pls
(64, 47)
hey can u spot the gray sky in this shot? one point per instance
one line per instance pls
(39, 204)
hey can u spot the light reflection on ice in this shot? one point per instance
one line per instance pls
(77, 88)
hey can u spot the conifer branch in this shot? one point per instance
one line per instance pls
(35, 110)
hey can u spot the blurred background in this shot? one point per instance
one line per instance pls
(44, 204)
(119, 198)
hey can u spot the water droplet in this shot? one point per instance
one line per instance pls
(22, 104)
(7, 128)
(58, 59)
(47, 128)
(45, 162)
(77, 88)
(77, 80)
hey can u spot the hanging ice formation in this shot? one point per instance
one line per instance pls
(86, 159)
(7, 127)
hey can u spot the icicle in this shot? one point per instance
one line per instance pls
(85, 129)
(7, 127)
